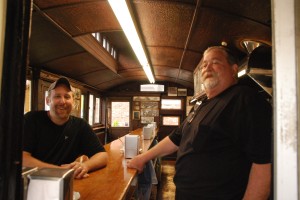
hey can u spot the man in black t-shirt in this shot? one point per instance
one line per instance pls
(55, 139)
(224, 145)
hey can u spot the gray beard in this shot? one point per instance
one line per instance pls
(210, 84)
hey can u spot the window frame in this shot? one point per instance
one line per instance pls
(92, 121)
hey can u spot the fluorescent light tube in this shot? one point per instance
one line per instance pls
(122, 13)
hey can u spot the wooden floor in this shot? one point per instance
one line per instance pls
(166, 189)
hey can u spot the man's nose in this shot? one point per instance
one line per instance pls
(62, 100)
(207, 66)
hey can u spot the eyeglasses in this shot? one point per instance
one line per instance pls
(192, 114)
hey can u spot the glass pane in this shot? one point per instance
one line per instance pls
(120, 114)
(171, 104)
(112, 51)
(27, 103)
(91, 109)
(99, 37)
(107, 45)
(97, 110)
(82, 106)
(104, 43)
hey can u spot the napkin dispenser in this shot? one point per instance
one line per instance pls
(154, 125)
(148, 132)
(132, 143)
(51, 183)
(26, 171)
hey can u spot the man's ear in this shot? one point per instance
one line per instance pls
(235, 68)
(48, 100)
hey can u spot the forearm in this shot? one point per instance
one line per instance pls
(163, 148)
(29, 161)
(97, 161)
(259, 183)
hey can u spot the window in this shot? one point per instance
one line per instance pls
(104, 43)
(112, 51)
(94, 110)
(115, 54)
(91, 109)
(97, 111)
(107, 45)
(170, 120)
(171, 104)
(120, 114)
(97, 36)
(82, 106)
(27, 103)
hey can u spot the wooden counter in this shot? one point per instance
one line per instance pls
(113, 181)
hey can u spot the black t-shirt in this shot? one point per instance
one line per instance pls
(56, 144)
(217, 148)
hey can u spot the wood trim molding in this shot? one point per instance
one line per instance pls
(94, 48)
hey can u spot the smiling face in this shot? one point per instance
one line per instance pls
(217, 73)
(60, 100)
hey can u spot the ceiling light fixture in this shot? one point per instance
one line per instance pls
(122, 13)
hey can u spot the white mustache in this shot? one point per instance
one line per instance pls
(207, 74)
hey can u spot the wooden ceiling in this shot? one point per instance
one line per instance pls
(174, 33)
